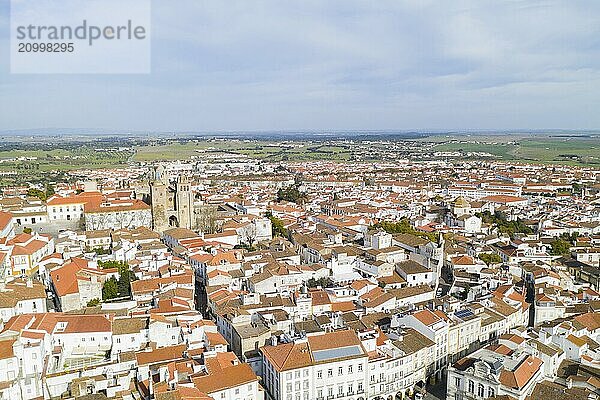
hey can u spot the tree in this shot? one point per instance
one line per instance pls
(277, 226)
(37, 193)
(124, 282)
(110, 290)
(323, 282)
(560, 247)
(500, 220)
(49, 191)
(122, 286)
(206, 218)
(248, 234)
(404, 226)
(100, 251)
(113, 264)
(93, 302)
(490, 258)
(292, 194)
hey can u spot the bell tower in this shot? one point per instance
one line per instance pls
(184, 203)
(158, 199)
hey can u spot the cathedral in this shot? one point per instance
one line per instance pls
(172, 203)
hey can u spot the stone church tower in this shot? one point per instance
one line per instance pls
(172, 205)
(184, 203)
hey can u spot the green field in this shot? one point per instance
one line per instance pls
(536, 148)
(261, 150)
(560, 150)
(61, 159)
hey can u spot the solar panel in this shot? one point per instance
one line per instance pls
(330, 354)
(463, 313)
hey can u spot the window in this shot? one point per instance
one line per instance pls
(349, 369)
(340, 370)
(457, 382)
(297, 374)
(319, 374)
(359, 367)
(491, 392)
(329, 373)
(341, 389)
(471, 386)
(480, 390)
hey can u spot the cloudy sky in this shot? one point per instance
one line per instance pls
(334, 65)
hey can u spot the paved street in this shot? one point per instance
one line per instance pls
(436, 392)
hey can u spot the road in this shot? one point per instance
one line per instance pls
(437, 391)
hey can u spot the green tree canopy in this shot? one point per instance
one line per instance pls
(404, 226)
(500, 220)
(560, 247)
(490, 258)
(291, 193)
(110, 290)
(277, 225)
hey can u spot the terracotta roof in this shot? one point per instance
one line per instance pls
(522, 374)
(297, 355)
(81, 198)
(6, 349)
(18, 290)
(65, 278)
(162, 354)
(115, 206)
(5, 219)
(590, 320)
(224, 372)
(503, 198)
(426, 317)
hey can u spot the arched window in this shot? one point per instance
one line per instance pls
(471, 387)
(491, 392)
(480, 390)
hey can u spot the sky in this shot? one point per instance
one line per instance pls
(229, 65)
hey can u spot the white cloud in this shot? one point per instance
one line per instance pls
(339, 64)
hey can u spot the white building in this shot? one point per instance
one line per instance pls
(329, 365)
